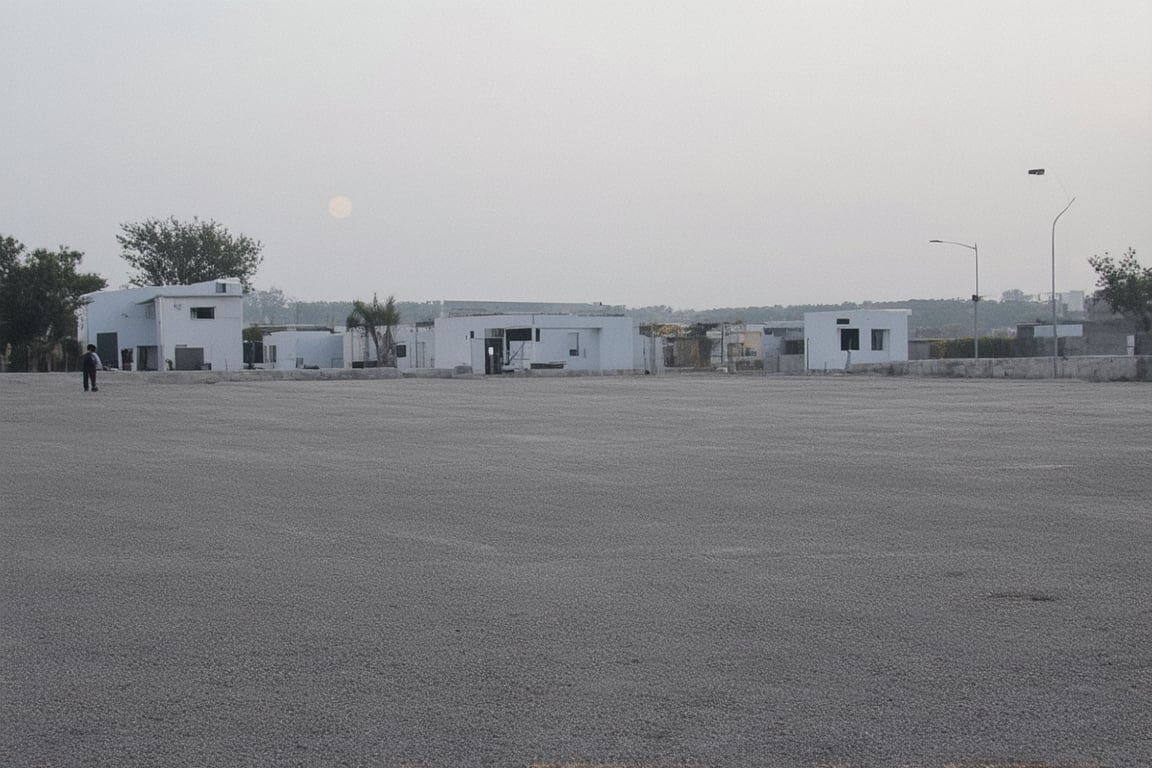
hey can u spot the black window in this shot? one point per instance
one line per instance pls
(849, 338)
(401, 350)
(203, 313)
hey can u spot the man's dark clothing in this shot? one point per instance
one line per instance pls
(91, 362)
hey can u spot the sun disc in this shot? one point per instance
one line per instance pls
(340, 207)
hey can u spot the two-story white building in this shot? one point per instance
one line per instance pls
(167, 327)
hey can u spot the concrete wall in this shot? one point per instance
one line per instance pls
(315, 348)
(129, 313)
(1126, 368)
(419, 347)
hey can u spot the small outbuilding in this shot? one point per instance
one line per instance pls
(838, 339)
(520, 342)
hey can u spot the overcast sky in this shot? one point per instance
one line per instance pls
(695, 154)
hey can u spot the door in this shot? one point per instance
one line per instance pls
(108, 347)
(148, 359)
(189, 358)
(493, 355)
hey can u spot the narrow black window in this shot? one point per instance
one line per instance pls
(203, 313)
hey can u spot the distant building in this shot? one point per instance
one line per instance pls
(415, 347)
(289, 347)
(838, 339)
(783, 346)
(178, 327)
(508, 343)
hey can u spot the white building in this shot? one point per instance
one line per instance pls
(519, 342)
(415, 347)
(180, 327)
(838, 339)
(290, 348)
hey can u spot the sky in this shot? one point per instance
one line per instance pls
(691, 154)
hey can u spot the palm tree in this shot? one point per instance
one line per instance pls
(377, 321)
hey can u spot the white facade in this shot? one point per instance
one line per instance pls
(838, 339)
(1063, 330)
(289, 349)
(504, 343)
(179, 327)
(415, 347)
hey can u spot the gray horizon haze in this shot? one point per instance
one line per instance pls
(638, 153)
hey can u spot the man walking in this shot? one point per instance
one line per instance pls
(91, 364)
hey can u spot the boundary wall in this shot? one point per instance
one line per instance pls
(1096, 368)
(333, 374)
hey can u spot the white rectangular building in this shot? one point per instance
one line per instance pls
(292, 348)
(167, 327)
(521, 342)
(838, 339)
(415, 347)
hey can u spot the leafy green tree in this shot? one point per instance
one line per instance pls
(173, 252)
(1125, 285)
(377, 321)
(40, 293)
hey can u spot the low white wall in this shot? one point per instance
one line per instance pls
(1129, 368)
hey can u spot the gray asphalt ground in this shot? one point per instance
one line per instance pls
(642, 571)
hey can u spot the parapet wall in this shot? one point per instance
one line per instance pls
(327, 374)
(1120, 368)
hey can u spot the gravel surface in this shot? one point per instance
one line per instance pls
(639, 571)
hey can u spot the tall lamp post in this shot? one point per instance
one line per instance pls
(975, 296)
(1055, 335)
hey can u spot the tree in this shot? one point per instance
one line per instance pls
(377, 321)
(1125, 285)
(173, 252)
(270, 307)
(40, 293)
(1013, 294)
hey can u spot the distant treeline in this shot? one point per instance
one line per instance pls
(930, 318)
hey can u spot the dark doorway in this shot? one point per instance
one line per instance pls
(493, 355)
(147, 359)
(108, 347)
(190, 359)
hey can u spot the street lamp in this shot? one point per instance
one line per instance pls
(1055, 335)
(975, 296)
